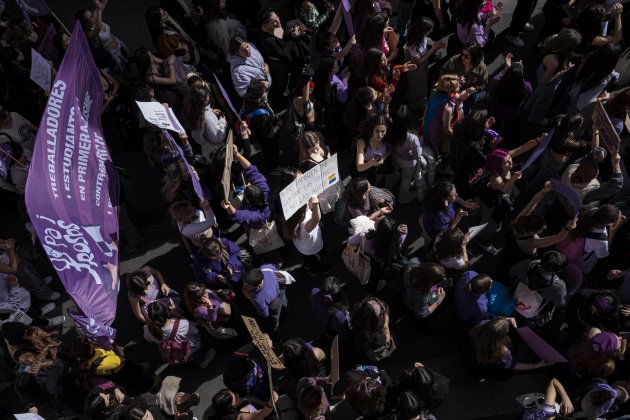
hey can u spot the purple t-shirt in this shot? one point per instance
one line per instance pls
(436, 222)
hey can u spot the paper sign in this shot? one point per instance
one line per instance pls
(28, 416)
(313, 182)
(609, 137)
(261, 342)
(568, 195)
(538, 151)
(334, 364)
(347, 18)
(475, 230)
(159, 116)
(540, 346)
(226, 181)
(41, 71)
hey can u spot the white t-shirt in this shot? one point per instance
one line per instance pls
(594, 249)
(195, 231)
(309, 243)
(212, 133)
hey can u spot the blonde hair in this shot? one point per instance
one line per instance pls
(491, 340)
(447, 82)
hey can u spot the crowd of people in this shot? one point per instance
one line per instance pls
(425, 124)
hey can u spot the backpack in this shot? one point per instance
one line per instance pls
(573, 248)
(172, 351)
(248, 117)
(342, 216)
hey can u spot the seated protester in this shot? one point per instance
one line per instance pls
(13, 261)
(303, 229)
(591, 238)
(97, 364)
(261, 288)
(254, 211)
(409, 407)
(301, 360)
(161, 153)
(246, 379)
(491, 350)
(15, 128)
(582, 179)
(14, 297)
(210, 308)
(469, 66)
(367, 395)
(424, 287)
(479, 298)
(194, 225)
(370, 325)
(217, 264)
(145, 286)
(551, 276)
(372, 151)
(440, 214)
(595, 356)
(590, 307)
(472, 25)
(228, 405)
(549, 408)
(361, 199)
(35, 351)
(451, 251)
(208, 126)
(430, 386)
(105, 404)
(162, 327)
(312, 402)
(378, 75)
(331, 309)
(246, 65)
(261, 121)
(382, 245)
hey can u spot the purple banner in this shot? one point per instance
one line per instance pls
(347, 18)
(34, 7)
(191, 171)
(226, 97)
(99, 334)
(72, 188)
(572, 199)
(47, 48)
(538, 151)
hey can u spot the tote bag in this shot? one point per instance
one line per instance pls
(528, 302)
(265, 239)
(357, 262)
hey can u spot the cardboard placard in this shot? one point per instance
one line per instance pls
(161, 117)
(609, 137)
(261, 342)
(334, 364)
(273, 402)
(539, 346)
(226, 181)
(313, 182)
(41, 71)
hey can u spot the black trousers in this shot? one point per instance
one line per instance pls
(522, 13)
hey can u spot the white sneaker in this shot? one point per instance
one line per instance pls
(52, 296)
(55, 322)
(48, 308)
(528, 27)
(209, 356)
(47, 280)
(515, 40)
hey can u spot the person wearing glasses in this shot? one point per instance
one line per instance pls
(470, 67)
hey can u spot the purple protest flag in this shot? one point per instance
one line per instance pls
(347, 18)
(46, 47)
(539, 346)
(34, 7)
(72, 189)
(191, 171)
(538, 151)
(568, 194)
(226, 97)
(98, 334)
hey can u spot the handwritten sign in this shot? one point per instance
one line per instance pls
(610, 138)
(226, 181)
(540, 346)
(41, 71)
(159, 116)
(538, 151)
(334, 364)
(568, 197)
(313, 182)
(261, 342)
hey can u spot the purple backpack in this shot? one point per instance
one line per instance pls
(172, 351)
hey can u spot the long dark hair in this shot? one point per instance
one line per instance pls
(153, 17)
(158, 315)
(290, 229)
(510, 90)
(400, 127)
(418, 29)
(562, 44)
(300, 359)
(142, 58)
(322, 79)
(366, 129)
(471, 128)
(194, 109)
(355, 191)
(563, 140)
(589, 22)
(373, 66)
(597, 66)
(372, 34)
(386, 238)
(426, 275)
(599, 217)
(331, 294)
(467, 12)
(438, 194)
(368, 317)
(213, 11)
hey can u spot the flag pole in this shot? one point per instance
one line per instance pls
(59, 21)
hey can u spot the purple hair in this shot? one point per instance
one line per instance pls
(494, 161)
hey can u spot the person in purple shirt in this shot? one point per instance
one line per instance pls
(261, 288)
(471, 299)
(218, 263)
(331, 309)
(254, 211)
